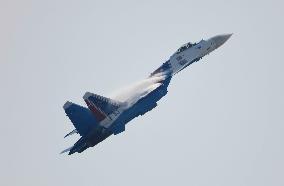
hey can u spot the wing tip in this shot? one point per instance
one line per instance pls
(87, 95)
(67, 105)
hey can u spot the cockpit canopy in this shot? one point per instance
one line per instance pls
(185, 46)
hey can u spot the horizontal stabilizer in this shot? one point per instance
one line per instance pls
(71, 133)
(66, 150)
(101, 106)
(81, 117)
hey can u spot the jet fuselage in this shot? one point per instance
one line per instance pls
(111, 115)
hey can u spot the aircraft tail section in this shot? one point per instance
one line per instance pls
(101, 106)
(81, 117)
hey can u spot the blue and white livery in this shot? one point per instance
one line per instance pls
(106, 116)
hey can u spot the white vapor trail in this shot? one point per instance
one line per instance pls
(133, 93)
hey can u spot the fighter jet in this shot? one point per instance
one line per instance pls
(106, 116)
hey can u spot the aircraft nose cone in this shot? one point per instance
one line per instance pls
(221, 39)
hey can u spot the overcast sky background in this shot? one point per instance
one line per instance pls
(220, 124)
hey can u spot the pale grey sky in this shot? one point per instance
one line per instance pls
(220, 124)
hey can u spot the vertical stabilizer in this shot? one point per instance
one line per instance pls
(81, 117)
(100, 106)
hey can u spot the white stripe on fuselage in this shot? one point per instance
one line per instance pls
(177, 60)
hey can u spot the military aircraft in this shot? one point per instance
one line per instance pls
(107, 116)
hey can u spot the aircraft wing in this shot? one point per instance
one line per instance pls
(159, 84)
